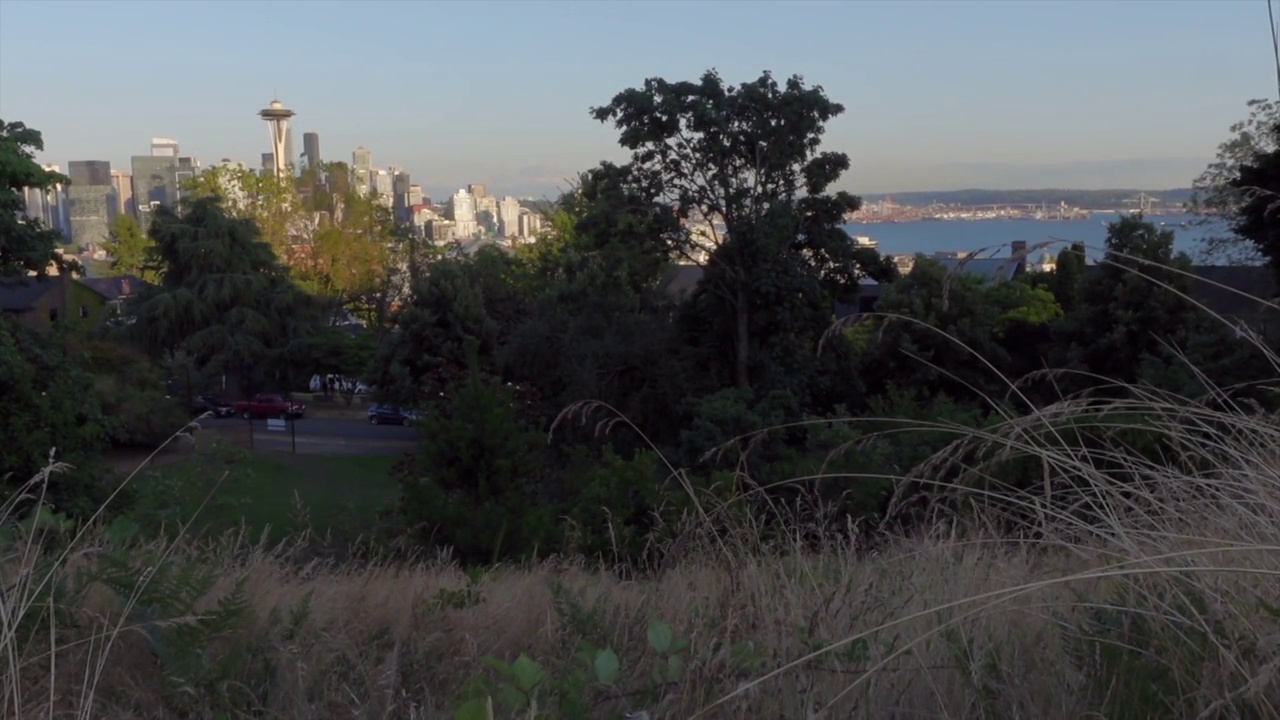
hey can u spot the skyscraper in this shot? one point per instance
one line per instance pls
(509, 217)
(311, 148)
(89, 200)
(463, 213)
(155, 183)
(381, 184)
(122, 186)
(89, 172)
(164, 147)
(47, 205)
(362, 168)
(400, 185)
(478, 190)
(530, 224)
(184, 173)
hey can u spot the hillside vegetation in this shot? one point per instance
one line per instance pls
(990, 493)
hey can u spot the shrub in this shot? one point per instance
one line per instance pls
(479, 483)
(131, 392)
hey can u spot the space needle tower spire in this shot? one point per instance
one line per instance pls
(277, 117)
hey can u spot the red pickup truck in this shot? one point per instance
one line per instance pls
(269, 405)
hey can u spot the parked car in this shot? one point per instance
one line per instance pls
(389, 415)
(269, 405)
(214, 405)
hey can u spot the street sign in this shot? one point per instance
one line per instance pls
(276, 424)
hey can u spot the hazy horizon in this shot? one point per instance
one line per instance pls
(938, 95)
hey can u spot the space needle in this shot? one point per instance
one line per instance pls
(277, 117)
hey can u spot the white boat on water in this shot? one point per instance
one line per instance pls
(865, 241)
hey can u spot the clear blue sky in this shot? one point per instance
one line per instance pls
(939, 95)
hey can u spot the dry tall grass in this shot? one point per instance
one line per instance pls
(1181, 568)
(1141, 588)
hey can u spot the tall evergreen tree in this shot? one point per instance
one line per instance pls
(222, 297)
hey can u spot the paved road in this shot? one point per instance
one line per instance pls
(322, 435)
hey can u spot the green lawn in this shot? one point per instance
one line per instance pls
(341, 494)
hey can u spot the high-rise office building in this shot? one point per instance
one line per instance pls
(362, 168)
(155, 183)
(462, 210)
(164, 147)
(122, 186)
(400, 185)
(478, 190)
(381, 184)
(487, 204)
(311, 149)
(184, 173)
(530, 224)
(34, 205)
(89, 172)
(89, 201)
(509, 217)
(47, 205)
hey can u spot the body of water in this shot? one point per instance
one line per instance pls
(931, 236)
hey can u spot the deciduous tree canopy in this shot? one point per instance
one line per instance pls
(25, 243)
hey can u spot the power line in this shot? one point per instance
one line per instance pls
(1275, 41)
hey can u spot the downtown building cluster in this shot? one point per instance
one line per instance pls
(84, 210)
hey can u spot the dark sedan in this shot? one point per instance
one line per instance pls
(390, 415)
(214, 405)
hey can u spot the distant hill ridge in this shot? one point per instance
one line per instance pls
(1088, 199)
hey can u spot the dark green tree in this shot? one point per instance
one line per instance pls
(619, 225)
(335, 351)
(1135, 307)
(744, 162)
(426, 352)
(1217, 195)
(25, 244)
(1257, 218)
(599, 326)
(479, 481)
(222, 298)
(51, 407)
(1068, 277)
(130, 389)
(934, 313)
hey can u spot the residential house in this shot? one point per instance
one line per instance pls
(43, 303)
(117, 290)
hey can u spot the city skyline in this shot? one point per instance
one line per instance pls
(937, 96)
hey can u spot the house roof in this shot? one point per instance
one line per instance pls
(18, 294)
(114, 288)
(990, 268)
